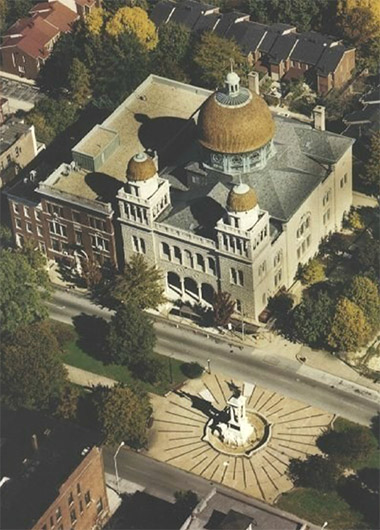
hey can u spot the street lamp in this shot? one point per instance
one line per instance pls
(115, 462)
(209, 366)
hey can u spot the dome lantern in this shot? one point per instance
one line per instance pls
(142, 178)
(232, 83)
(242, 206)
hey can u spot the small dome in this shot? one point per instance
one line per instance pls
(233, 124)
(141, 167)
(241, 198)
(232, 78)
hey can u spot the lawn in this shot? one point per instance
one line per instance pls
(318, 507)
(76, 356)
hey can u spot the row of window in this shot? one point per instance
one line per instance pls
(193, 261)
(57, 517)
(260, 237)
(304, 226)
(235, 244)
(303, 247)
(343, 180)
(138, 244)
(236, 277)
(57, 211)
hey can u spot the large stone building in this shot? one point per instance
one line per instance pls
(209, 186)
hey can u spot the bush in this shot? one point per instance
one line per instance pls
(192, 370)
(312, 272)
(314, 472)
(62, 332)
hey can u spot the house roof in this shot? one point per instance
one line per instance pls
(306, 51)
(161, 12)
(37, 474)
(282, 48)
(189, 11)
(330, 59)
(247, 35)
(10, 132)
(207, 22)
(32, 34)
(227, 20)
(371, 97)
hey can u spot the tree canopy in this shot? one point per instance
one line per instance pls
(348, 446)
(79, 82)
(223, 307)
(131, 336)
(312, 272)
(122, 414)
(349, 329)
(212, 56)
(365, 294)
(314, 472)
(313, 317)
(32, 373)
(140, 284)
(172, 54)
(136, 21)
(371, 174)
(22, 298)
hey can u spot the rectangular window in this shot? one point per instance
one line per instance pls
(38, 215)
(18, 223)
(15, 207)
(58, 514)
(80, 506)
(56, 245)
(42, 247)
(99, 506)
(19, 240)
(39, 230)
(87, 497)
(278, 278)
(26, 211)
(135, 243)
(71, 498)
(78, 237)
(345, 178)
(165, 250)
(97, 223)
(142, 246)
(233, 276)
(78, 489)
(57, 229)
(240, 277)
(51, 521)
(55, 210)
(29, 227)
(211, 266)
(200, 262)
(73, 516)
(99, 243)
(177, 255)
(76, 217)
(262, 268)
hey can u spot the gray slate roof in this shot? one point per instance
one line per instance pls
(247, 35)
(10, 131)
(301, 162)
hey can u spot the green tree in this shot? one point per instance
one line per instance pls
(66, 406)
(358, 25)
(37, 261)
(51, 117)
(16, 9)
(314, 472)
(22, 299)
(371, 174)
(212, 56)
(354, 220)
(6, 238)
(223, 308)
(367, 256)
(122, 414)
(312, 272)
(32, 374)
(131, 336)
(365, 294)
(349, 446)
(80, 83)
(280, 304)
(140, 284)
(185, 502)
(349, 329)
(171, 56)
(313, 317)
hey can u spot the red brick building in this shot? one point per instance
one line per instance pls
(52, 474)
(27, 44)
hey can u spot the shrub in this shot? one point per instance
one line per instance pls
(192, 370)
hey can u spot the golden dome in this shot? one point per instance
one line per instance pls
(235, 125)
(141, 167)
(241, 198)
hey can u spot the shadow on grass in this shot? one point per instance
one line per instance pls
(361, 492)
(92, 332)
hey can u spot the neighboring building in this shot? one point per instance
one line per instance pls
(18, 146)
(27, 44)
(278, 50)
(238, 201)
(363, 123)
(52, 474)
(228, 512)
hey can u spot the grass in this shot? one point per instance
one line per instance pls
(318, 507)
(75, 356)
(372, 459)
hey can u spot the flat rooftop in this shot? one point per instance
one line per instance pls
(147, 120)
(36, 474)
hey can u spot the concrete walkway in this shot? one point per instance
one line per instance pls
(88, 379)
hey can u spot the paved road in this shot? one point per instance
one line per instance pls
(163, 480)
(245, 363)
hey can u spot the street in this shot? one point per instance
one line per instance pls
(249, 364)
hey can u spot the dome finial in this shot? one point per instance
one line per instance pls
(232, 81)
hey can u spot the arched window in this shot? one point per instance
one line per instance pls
(304, 226)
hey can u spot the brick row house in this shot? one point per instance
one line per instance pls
(52, 474)
(279, 50)
(29, 41)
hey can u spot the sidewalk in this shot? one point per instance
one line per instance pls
(83, 378)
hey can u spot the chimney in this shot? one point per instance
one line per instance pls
(253, 82)
(34, 442)
(319, 118)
